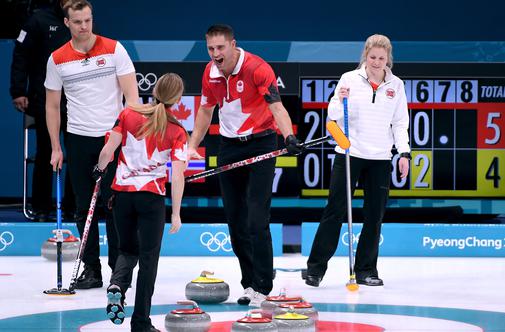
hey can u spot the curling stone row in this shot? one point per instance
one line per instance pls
(194, 319)
(69, 248)
(290, 321)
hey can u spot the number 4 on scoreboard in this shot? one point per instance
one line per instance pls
(490, 169)
(493, 172)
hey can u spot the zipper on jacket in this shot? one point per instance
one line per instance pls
(374, 89)
(227, 88)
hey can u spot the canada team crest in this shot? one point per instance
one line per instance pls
(390, 93)
(240, 86)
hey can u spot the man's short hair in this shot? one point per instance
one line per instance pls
(221, 29)
(76, 5)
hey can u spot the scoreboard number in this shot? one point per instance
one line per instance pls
(466, 91)
(491, 164)
(493, 172)
(314, 118)
(277, 178)
(494, 127)
(421, 128)
(311, 168)
(421, 170)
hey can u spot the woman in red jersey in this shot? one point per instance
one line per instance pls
(150, 136)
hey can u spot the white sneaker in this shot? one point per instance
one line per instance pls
(257, 299)
(246, 298)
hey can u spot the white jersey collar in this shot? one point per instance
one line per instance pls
(215, 72)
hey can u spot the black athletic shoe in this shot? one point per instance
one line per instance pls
(115, 305)
(312, 280)
(370, 281)
(91, 277)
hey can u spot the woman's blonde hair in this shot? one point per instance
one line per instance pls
(377, 41)
(167, 91)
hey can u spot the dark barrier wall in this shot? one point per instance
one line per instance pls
(303, 19)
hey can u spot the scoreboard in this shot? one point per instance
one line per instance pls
(456, 137)
(457, 124)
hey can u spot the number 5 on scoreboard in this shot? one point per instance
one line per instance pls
(491, 124)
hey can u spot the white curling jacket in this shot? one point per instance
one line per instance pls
(375, 122)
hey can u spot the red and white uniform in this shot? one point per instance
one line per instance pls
(94, 97)
(142, 164)
(243, 97)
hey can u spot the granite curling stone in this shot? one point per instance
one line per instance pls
(254, 321)
(187, 320)
(205, 289)
(294, 322)
(69, 248)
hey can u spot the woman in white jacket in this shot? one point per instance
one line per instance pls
(378, 119)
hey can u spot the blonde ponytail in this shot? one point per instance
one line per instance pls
(166, 93)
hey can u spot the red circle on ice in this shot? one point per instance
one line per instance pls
(322, 326)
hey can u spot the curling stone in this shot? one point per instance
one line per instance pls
(272, 302)
(187, 320)
(302, 308)
(207, 290)
(69, 248)
(253, 321)
(294, 322)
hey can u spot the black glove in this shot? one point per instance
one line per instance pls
(98, 173)
(293, 145)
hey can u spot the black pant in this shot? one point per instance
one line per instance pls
(247, 193)
(375, 176)
(42, 183)
(82, 156)
(140, 220)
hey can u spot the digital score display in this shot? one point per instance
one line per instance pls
(456, 136)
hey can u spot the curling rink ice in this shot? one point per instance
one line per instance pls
(420, 294)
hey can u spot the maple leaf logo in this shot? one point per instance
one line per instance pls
(181, 112)
(140, 169)
(236, 120)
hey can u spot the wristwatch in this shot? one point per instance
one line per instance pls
(406, 155)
